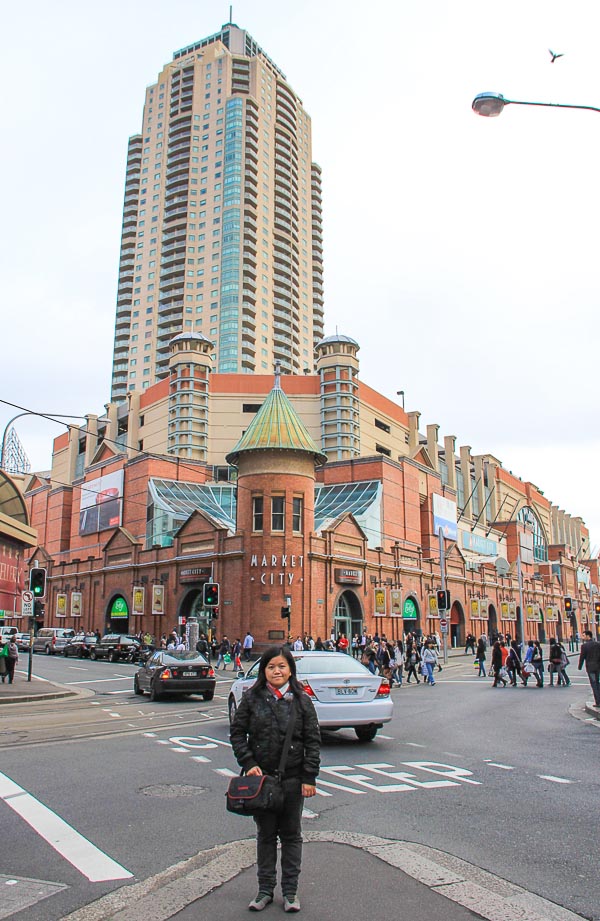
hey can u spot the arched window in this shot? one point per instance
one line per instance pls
(528, 517)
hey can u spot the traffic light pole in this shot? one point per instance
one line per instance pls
(443, 577)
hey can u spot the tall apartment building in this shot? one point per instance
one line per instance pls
(221, 220)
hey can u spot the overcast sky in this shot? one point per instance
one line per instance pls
(461, 252)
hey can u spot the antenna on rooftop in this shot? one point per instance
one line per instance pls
(276, 385)
(231, 15)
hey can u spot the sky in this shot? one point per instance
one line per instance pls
(460, 252)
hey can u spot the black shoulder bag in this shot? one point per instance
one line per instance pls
(259, 793)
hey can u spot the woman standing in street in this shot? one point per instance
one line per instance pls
(498, 665)
(537, 660)
(3, 659)
(257, 738)
(429, 659)
(412, 661)
(480, 657)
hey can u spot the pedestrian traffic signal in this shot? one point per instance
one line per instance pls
(597, 608)
(285, 612)
(211, 594)
(568, 605)
(38, 610)
(37, 582)
(443, 599)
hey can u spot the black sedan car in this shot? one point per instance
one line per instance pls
(170, 672)
(80, 645)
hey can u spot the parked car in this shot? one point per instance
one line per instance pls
(8, 631)
(51, 640)
(344, 692)
(115, 647)
(22, 641)
(175, 673)
(80, 645)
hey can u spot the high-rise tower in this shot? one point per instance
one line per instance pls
(221, 220)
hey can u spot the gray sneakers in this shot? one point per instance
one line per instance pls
(261, 901)
(291, 903)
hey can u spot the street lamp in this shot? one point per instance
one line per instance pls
(491, 105)
(50, 416)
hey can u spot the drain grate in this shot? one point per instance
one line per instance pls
(167, 790)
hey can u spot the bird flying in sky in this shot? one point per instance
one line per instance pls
(554, 56)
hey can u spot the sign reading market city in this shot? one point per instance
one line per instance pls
(281, 562)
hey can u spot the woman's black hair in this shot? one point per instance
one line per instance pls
(272, 653)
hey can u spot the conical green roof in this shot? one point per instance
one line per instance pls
(278, 427)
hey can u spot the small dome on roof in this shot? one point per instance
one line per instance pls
(198, 337)
(338, 337)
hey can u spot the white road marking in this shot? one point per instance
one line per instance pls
(201, 759)
(149, 735)
(184, 750)
(309, 814)
(89, 860)
(101, 680)
(503, 767)
(554, 779)
(415, 744)
(79, 668)
(381, 736)
(336, 786)
(226, 772)
(124, 691)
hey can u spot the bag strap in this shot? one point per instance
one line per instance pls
(288, 738)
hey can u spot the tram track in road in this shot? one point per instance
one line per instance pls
(99, 718)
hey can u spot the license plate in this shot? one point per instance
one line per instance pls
(188, 674)
(346, 692)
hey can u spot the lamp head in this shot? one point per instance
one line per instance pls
(489, 104)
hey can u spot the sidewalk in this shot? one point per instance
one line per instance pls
(344, 875)
(23, 691)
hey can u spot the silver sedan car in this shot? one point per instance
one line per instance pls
(345, 693)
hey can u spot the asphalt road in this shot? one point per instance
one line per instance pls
(504, 778)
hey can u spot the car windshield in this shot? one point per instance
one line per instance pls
(329, 665)
(190, 656)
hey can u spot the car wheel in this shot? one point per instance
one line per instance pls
(136, 686)
(48, 650)
(365, 733)
(93, 655)
(80, 654)
(154, 694)
(232, 708)
(208, 695)
(112, 656)
(65, 653)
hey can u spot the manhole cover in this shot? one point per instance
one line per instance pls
(172, 789)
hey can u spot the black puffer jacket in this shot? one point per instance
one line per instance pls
(258, 733)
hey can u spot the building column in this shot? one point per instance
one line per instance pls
(465, 467)
(449, 451)
(432, 446)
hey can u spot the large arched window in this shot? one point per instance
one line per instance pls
(528, 517)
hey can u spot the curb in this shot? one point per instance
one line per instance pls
(592, 709)
(161, 897)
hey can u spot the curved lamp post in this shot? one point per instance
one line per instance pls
(18, 416)
(491, 104)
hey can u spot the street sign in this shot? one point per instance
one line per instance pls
(27, 596)
(27, 604)
(443, 626)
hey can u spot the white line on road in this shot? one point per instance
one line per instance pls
(79, 668)
(124, 691)
(101, 680)
(554, 779)
(415, 744)
(201, 759)
(503, 767)
(79, 851)
(226, 772)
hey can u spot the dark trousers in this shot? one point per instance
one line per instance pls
(412, 670)
(10, 668)
(594, 679)
(287, 826)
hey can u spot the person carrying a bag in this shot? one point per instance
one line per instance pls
(257, 736)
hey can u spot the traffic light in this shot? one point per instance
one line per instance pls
(443, 599)
(37, 582)
(568, 605)
(38, 610)
(211, 594)
(285, 612)
(597, 607)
